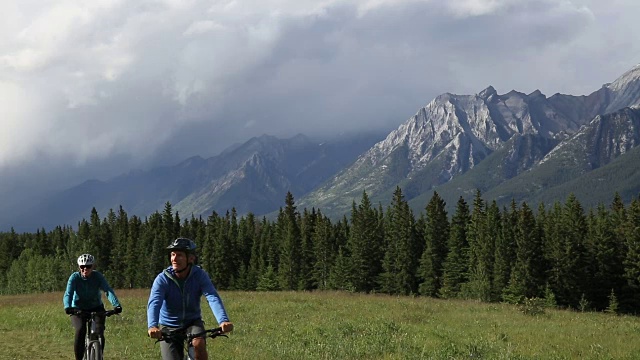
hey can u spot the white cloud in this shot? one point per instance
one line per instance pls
(87, 82)
(465, 8)
(201, 27)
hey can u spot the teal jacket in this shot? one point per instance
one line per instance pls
(84, 294)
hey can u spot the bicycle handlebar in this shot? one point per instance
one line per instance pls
(181, 335)
(210, 333)
(85, 313)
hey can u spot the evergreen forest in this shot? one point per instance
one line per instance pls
(571, 257)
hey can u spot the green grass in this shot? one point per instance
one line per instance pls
(332, 325)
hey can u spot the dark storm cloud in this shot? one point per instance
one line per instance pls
(112, 85)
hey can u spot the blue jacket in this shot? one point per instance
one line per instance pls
(85, 294)
(171, 306)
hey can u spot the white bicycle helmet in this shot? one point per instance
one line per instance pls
(85, 259)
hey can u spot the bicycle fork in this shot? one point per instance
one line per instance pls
(93, 342)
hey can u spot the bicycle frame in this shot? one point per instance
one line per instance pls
(92, 339)
(179, 335)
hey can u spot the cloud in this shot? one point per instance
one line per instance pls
(95, 88)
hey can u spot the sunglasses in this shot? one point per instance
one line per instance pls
(85, 267)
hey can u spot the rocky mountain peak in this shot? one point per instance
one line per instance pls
(625, 90)
(469, 127)
(537, 94)
(629, 77)
(488, 92)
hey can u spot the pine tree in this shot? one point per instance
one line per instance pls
(269, 280)
(456, 265)
(290, 245)
(197, 231)
(207, 247)
(340, 274)
(481, 252)
(153, 239)
(364, 247)
(528, 273)
(177, 227)
(120, 234)
(325, 251)
(106, 244)
(95, 236)
(435, 237)
(133, 256)
(169, 227)
(307, 228)
(605, 259)
(258, 259)
(553, 249)
(487, 254)
(341, 232)
(58, 238)
(400, 261)
(40, 243)
(244, 244)
(567, 252)
(8, 253)
(632, 258)
(221, 261)
(626, 296)
(232, 256)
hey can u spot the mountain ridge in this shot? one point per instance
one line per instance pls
(510, 146)
(466, 130)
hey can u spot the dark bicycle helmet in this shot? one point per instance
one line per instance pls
(183, 244)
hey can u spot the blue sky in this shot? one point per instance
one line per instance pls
(92, 89)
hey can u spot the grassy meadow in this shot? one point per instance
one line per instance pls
(333, 325)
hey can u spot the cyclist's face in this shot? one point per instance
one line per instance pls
(85, 270)
(178, 259)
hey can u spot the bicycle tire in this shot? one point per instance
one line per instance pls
(190, 353)
(95, 351)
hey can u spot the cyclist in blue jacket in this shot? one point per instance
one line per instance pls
(83, 293)
(174, 300)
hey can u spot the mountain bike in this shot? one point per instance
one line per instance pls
(180, 336)
(92, 340)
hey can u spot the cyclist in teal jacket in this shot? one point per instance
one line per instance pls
(174, 300)
(83, 293)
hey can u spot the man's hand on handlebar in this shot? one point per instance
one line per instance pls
(154, 332)
(227, 327)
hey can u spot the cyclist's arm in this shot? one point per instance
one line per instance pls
(214, 300)
(67, 299)
(156, 297)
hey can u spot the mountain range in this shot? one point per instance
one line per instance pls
(515, 146)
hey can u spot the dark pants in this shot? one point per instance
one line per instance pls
(80, 327)
(175, 350)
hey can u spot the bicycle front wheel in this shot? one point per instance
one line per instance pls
(190, 354)
(95, 351)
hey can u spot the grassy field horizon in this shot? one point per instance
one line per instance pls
(335, 325)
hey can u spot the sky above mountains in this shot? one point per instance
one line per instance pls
(92, 89)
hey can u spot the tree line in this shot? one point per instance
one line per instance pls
(569, 256)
